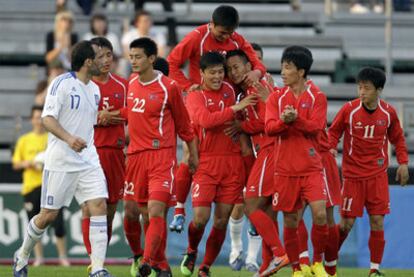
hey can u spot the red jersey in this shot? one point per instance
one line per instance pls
(254, 122)
(365, 151)
(113, 93)
(209, 110)
(295, 146)
(156, 115)
(199, 42)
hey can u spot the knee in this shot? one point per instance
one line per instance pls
(131, 211)
(200, 222)
(291, 220)
(221, 223)
(45, 218)
(346, 225)
(377, 224)
(319, 218)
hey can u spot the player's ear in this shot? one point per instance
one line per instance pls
(301, 72)
(152, 58)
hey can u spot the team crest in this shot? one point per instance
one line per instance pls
(305, 105)
(381, 122)
(117, 95)
(152, 96)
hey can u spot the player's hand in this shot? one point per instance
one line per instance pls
(334, 152)
(107, 117)
(289, 114)
(402, 175)
(269, 80)
(193, 162)
(233, 129)
(194, 87)
(251, 99)
(251, 77)
(76, 143)
(262, 91)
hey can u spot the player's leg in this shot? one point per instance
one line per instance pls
(267, 253)
(236, 259)
(111, 210)
(290, 237)
(376, 243)
(132, 230)
(303, 244)
(59, 226)
(331, 253)
(319, 235)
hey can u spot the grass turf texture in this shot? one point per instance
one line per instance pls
(123, 271)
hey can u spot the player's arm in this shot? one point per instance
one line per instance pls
(259, 70)
(179, 55)
(337, 128)
(317, 120)
(396, 137)
(273, 124)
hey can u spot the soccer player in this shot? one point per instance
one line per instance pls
(72, 165)
(296, 115)
(259, 188)
(219, 177)
(218, 35)
(259, 52)
(156, 115)
(110, 139)
(368, 124)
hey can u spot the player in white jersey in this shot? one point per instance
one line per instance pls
(72, 165)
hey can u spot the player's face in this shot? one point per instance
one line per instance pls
(94, 68)
(140, 62)
(367, 92)
(259, 55)
(106, 58)
(221, 33)
(37, 120)
(291, 74)
(213, 76)
(236, 69)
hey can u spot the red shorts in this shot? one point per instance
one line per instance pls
(260, 182)
(370, 192)
(290, 190)
(113, 165)
(333, 182)
(150, 176)
(218, 179)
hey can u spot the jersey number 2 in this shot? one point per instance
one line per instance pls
(139, 105)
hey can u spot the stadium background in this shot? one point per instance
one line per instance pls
(341, 44)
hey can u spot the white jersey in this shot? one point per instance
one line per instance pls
(75, 107)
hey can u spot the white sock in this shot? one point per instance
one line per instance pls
(33, 235)
(99, 240)
(236, 228)
(180, 205)
(375, 266)
(255, 244)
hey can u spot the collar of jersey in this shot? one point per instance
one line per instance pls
(153, 80)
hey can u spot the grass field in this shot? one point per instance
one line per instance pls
(123, 271)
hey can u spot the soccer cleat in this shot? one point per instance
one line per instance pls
(145, 270)
(297, 273)
(188, 263)
(177, 225)
(89, 269)
(252, 267)
(134, 266)
(252, 230)
(101, 273)
(375, 273)
(275, 265)
(306, 270)
(23, 271)
(204, 272)
(319, 270)
(238, 263)
(164, 273)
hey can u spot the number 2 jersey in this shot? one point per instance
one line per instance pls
(156, 114)
(365, 150)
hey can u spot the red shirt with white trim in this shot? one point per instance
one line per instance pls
(366, 136)
(199, 42)
(156, 114)
(296, 143)
(113, 93)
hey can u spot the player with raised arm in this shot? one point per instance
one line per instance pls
(220, 175)
(156, 115)
(259, 187)
(295, 116)
(368, 124)
(72, 165)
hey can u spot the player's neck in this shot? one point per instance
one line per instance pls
(298, 88)
(147, 76)
(83, 76)
(371, 105)
(103, 78)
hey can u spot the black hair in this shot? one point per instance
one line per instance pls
(36, 108)
(80, 53)
(102, 43)
(238, 53)
(374, 75)
(300, 56)
(162, 65)
(98, 16)
(140, 13)
(226, 16)
(211, 59)
(257, 47)
(148, 45)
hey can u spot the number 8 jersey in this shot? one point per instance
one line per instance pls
(365, 151)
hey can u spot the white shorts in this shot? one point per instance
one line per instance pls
(59, 187)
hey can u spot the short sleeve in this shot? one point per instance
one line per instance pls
(54, 99)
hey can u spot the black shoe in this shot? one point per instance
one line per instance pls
(188, 264)
(144, 269)
(204, 272)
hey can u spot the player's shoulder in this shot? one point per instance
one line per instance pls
(352, 105)
(386, 106)
(132, 78)
(62, 80)
(118, 79)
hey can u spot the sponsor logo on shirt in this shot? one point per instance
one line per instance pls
(73, 89)
(252, 189)
(358, 125)
(381, 122)
(166, 184)
(210, 102)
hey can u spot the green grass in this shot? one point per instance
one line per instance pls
(123, 271)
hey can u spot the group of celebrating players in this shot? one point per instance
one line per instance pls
(245, 141)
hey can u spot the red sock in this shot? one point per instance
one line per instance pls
(183, 185)
(266, 229)
(154, 238)
(194, 237)
(214, 242)
(267, 256)
(303, 243)
(376, 245)
(85, 235)
(109, 231)
(342, 236)
(331, 253)
(291, 240)
(132, 229)
(161, 260)
(319, 239)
